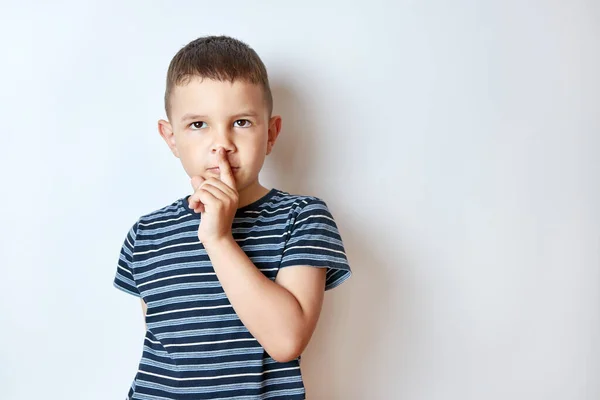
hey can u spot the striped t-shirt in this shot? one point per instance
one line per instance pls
(195, 346)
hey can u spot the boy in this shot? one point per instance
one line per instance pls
(231, 277)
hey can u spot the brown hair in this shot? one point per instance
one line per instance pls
(220, 58)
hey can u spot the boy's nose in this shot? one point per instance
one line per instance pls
(228, 149)
(223, 139)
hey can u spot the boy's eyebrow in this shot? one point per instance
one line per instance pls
(192, 116)
(247, 113)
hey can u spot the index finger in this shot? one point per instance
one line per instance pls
(225, 172)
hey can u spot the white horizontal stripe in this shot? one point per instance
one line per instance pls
(261, 237)
(166, 247)
(202, 332)
(201, 378)
(215, 342)
(203, 356)
(208, 366)
(267, 211)
(184, 275)
(314, 247)
(314, 216)
(188, 309)
(162, 222)
(128, 272)
(175, 276)
(196, 319)
(275, 211)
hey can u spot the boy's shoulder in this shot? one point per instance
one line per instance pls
(173, 209)
(280, 202)
(296, 201)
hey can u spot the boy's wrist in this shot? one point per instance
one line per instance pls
(219, 242)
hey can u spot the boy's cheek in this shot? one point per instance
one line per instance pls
(193, 167)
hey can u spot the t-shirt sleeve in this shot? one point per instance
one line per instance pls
(314, 240)
(124, 276)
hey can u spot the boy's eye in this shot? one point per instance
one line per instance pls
(242, 123)
(198, 124)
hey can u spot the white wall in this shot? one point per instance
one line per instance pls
(455, 142)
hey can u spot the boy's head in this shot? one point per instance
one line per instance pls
(218, 95)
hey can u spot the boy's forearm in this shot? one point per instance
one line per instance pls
(269, 311)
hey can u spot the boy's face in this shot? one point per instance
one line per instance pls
(206, 115)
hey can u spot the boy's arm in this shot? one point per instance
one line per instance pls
(144, 311)
(281, 315)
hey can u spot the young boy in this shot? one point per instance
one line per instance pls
(231, 277)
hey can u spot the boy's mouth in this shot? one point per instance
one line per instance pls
(216, 170)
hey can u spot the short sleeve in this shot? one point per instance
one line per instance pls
(124, 276)
(314, 240)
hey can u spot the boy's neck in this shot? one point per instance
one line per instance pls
(251, 193)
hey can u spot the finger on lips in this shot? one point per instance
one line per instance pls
(225, 172)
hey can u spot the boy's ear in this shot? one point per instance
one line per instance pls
(166, 131)
(274, 129)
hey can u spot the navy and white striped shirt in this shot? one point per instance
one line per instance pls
(195, 346)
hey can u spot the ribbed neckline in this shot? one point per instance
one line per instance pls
(249, 207)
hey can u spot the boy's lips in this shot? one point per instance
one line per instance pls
(217, 170)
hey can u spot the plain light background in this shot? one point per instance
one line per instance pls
(456, 144)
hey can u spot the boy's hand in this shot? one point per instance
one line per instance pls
(216, 200)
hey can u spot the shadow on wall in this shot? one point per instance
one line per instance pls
(347, 342)
(291, 158)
